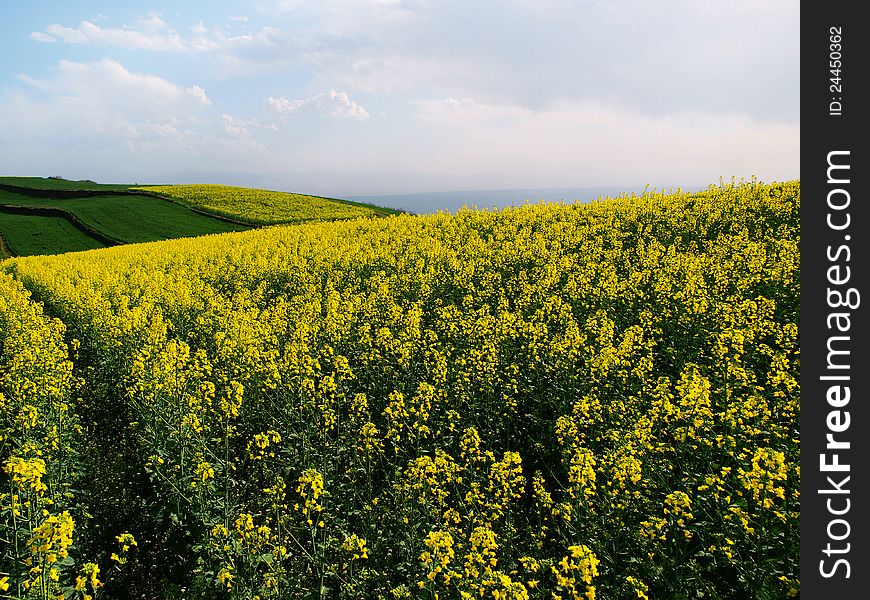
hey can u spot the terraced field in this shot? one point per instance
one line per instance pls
(54, 216)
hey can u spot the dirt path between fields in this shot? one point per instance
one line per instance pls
(5, 250)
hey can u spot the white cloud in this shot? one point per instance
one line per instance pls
(240, 127)
(102, 120)
(391, 73)
(346, 8)
(331, 103)
(113, 84)
(268, 46)
(40, 36)
(152, 34)
(660, 58)
(102, 100)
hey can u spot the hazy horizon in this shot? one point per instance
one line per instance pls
(453, 200)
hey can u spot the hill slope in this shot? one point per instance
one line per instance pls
(264, 207)
(60, 184)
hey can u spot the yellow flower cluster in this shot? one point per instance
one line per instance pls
(438, 555)
(53, 537)
(88, 581)
(310, 489)
(767, 478)
(581, 474)
(126, 542)
(575, 572)
(639, 587)
(355, 546)
(431, 479)
(259, 445)
(26, 473)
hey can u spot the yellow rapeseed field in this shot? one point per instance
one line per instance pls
(260, 207)
(552, 401)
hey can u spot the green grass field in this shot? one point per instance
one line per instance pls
(264, 207)
(29, 235)
(46, 183)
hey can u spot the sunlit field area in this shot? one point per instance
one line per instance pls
(264, 207)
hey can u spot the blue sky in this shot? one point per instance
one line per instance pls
(349, 97)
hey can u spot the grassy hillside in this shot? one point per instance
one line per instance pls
(584, 400)
(145, 219)
(265, 207)
(130, 218)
